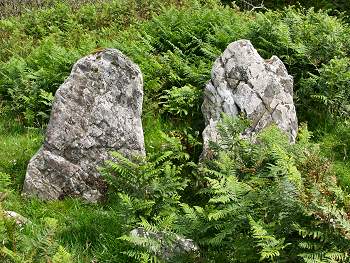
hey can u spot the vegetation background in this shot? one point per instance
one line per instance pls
(273, 203)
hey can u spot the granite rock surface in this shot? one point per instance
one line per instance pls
(95, 111)
(242, 82)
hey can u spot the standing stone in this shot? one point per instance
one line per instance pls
(95, 111)
(243, 82)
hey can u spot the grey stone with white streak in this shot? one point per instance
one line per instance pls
(179, 246)
(95, 111)
(243, 82)
(19, 219)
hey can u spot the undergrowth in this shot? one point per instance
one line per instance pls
(267, 201)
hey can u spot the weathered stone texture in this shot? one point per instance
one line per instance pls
(243, 82)
(167, 252)
(95, 111)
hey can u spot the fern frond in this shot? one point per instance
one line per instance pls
(270, 246)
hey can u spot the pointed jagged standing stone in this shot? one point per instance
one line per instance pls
(243, 82)
(95, 111)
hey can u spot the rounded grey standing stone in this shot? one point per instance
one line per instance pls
(243, 82)
(95, 111)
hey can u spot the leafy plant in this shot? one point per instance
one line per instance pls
(268, 201)
(149, 190)
(182, 101)
(275, 189)
(24, 242)
(328, 92)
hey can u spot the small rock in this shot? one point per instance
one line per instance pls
(19, 219)
(181, 245)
